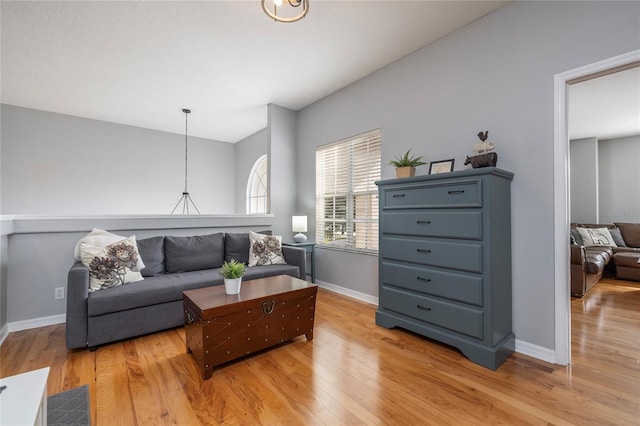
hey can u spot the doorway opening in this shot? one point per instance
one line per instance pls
(561, 191)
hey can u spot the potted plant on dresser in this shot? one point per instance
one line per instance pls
(406, 164)
(232, 272)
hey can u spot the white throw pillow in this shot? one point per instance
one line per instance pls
(112, 265)
(265, 249)
(596, 237)
(101, 238)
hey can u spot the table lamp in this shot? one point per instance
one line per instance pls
(299, 225)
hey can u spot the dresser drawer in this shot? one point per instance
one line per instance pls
(460, 194)
(454, 286)
(430, 223)
(454, 317)
(463, 256)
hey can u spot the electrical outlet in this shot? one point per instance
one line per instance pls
(59, 294)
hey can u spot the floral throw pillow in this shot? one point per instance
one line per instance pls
(112, 265)
(265, 250)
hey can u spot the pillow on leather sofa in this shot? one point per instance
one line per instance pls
(576, 236)
(617, 237)
(596, 237)
(152, 253)
(183, 254)
(630, 233)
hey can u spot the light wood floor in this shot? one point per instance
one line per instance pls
(354, 372)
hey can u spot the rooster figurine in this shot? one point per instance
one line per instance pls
(483, 146)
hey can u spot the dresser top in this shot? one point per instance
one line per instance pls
(483, 171)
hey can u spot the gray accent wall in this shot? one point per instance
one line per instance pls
(495, 74)
(619, 179)
(39, 253)
(248, 151)
(584, 180)
(283, 170)
(56, 164)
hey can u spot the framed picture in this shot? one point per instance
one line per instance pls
(443, 166)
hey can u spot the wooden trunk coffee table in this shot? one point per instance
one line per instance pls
(220, 327)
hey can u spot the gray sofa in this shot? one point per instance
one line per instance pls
(172, 265)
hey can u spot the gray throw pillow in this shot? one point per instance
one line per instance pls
(577, 237)
(183, 254)
(152, 252)
(236, 246)
(616, 235)
(630, 233)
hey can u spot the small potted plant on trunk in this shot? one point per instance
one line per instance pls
(232, 272)
(406, 165)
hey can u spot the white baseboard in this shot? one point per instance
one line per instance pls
(36, 322)
(363, 297)
(522, 347)
(4, 332)
(535, 351)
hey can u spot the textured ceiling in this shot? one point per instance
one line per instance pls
(140, 62)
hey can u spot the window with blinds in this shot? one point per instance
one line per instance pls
(346, 195)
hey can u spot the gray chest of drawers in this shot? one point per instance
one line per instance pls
(445, 260)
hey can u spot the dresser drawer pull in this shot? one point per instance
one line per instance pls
(398, 195)
(424, 308)
(461, 191)
(424, 279)
(423, 222)
(423, 251)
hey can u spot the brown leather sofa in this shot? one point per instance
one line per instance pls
(588, 267)
(590, 264)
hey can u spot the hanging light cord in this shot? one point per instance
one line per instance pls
(186, 149)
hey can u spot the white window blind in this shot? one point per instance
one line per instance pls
(346, 194)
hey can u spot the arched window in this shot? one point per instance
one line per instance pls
(257, 192)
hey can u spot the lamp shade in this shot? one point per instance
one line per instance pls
(299, 224)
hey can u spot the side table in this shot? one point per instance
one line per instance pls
(309, 246)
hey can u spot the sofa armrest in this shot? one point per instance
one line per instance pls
(77, 309)
(296, 256)
(578, 270)
(578, 255)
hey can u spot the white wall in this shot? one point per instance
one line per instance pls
(497, 74)
(55, 164)
(248, 151)
(584, 180)
(619, 179)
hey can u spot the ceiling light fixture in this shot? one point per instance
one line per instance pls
(292, 5)
(185, 199)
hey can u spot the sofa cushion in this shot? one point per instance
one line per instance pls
(101, 238)
(151, 291)
(152, 253)
(617, 237)
(236, 246)
(270, 271)
(605, 252)
(595, 263)
(183, 254)
(630, 233)
(265, 249)
(110, 266)
(596, 237)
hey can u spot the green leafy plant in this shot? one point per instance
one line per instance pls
(407, 161)
(232, 269)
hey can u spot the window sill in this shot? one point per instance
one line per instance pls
(346, 249)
